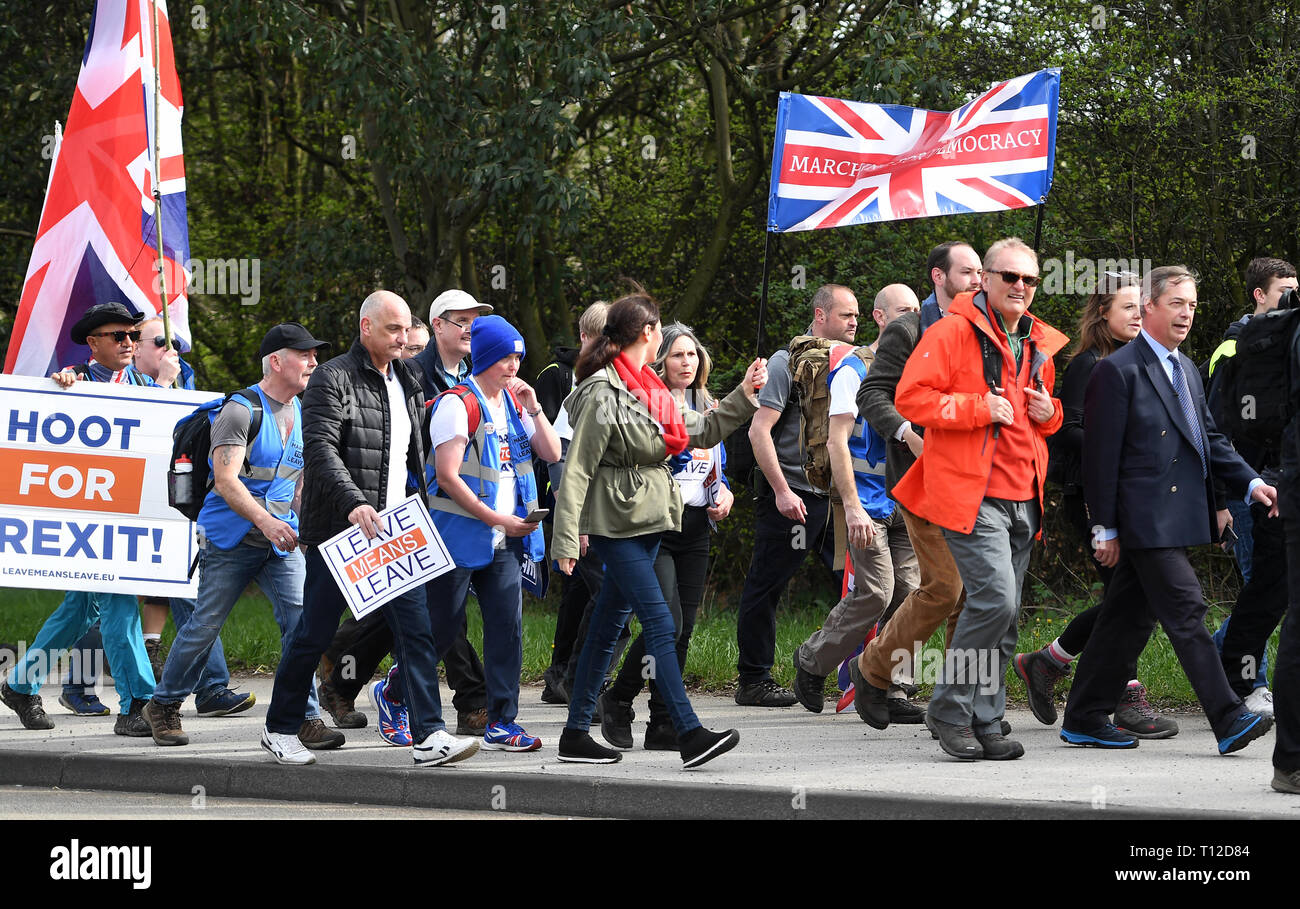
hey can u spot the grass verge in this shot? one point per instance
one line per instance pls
(252, 643)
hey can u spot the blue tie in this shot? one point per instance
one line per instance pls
(1189, 410)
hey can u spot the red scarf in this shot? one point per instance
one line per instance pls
(650, 390)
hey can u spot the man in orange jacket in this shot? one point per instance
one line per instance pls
(981, 385)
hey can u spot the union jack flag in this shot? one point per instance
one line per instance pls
(839, 162)
(97, 240)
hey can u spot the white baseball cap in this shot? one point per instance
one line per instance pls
(455, 300)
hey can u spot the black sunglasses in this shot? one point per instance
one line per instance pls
(1011, 277)
(117, 336)
(159, 341)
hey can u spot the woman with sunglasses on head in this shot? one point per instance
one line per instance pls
(1111, 318)
(683, 561)
(619, 490)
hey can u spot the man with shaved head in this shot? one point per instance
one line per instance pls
(884, 565)
(363, 453)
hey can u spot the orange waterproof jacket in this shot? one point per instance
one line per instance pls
(943, 389)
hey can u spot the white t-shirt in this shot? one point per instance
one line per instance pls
(451, 421)
(844, 391)
(399, 439)
(691, 478)
(561, 425)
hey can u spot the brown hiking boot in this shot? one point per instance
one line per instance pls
(27, 706)
(314, 734)
(473, 722)
(153, 646)
(343, 711)
(165, 723)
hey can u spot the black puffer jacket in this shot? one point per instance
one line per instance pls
(345, 428)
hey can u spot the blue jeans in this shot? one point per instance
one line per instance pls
(119, 623)
(224, 575)
(322, 606)
(500, 599)
(631, 585)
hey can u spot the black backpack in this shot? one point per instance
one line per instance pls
(192, 439)
(1251, 401)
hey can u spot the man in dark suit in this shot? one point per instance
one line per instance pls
(1151, 453)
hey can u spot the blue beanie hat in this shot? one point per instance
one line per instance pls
(492, 338)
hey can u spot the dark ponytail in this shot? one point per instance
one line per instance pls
(627, 316)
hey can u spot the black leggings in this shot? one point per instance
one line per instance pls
(682, 565)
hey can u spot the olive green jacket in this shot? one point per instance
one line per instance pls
(617, 479)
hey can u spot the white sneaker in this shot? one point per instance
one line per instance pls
(286, 749)
(1260, 701)
(443, 748)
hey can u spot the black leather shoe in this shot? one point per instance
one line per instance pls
(766, 693)
(808, 688)
(905, 712)
(869, 701)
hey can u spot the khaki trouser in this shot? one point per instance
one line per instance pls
(884, 573)
(937, 600)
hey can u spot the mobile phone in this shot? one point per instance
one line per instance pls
(537, 515)
(1229, 536)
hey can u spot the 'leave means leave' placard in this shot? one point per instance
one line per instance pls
(407, 553)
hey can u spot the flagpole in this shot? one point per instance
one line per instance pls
(1038, 225)
(157, 183)
(762, 300)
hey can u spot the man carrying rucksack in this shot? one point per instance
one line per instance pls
(248, 518)
(1249, 397)
(884, 565)
(792, 515)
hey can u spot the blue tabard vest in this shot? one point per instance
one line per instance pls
(867, 449)
(271, 473)
(468, 539)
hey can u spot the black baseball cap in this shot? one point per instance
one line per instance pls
(289, 334)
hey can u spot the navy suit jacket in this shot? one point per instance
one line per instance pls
(1141, 472)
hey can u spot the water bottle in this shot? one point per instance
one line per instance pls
(182, 482)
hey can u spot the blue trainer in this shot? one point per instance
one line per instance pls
(83, 704)
(1245, 729)
(224, 702)
(394, 727)
(1105, 737)
(509, 737)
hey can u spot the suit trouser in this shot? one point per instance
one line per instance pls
(1260, 605)
(1286, 671)
(780, 546)
(937, 599)
(884, 573)
(991, 560)
(1149, 585)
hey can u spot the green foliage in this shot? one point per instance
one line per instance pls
(536, 152)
